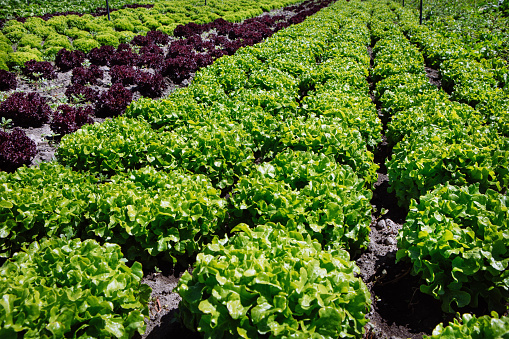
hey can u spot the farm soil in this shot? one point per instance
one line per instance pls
(399, 309)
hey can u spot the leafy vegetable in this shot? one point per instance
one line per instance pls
(309, 193)
(456, 154)
(156, 213)
(457, 240)
(471, 327)
(63, 288)
(276, 282)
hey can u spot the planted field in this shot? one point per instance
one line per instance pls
(326, 169)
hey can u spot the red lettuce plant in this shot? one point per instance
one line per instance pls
(179, 48)
(114, 101)
(68, 119)
(124, 57)
(179, 68)
(67, 60)
(26, 109)
(90, 75)
(101, 56)
(7, 80)
(16, 150)
(39, 69)
(158, 37)
(151, 60)
(123, 74)
(80, 93)
(150, 85)
(140, 40)
(151, 48)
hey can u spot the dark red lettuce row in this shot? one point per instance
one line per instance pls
(68, 119)
(7, 80)
(77, 93)
(67, 60)
(16, 150)
(39, 69)
(114, 101)
(86, 75)
(25, 109)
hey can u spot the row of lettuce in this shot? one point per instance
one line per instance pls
(450, 165)
(282, 130)
(39, 39)
(44, 8)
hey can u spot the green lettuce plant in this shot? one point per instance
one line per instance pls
(71, 288)
(135, 145)
(269, 281)
(457, 240)
(309, 193)
(166, 214)
(331, 136)
(37, 202)
(455, 154)
(472, 327)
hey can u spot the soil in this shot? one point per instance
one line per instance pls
(399, 309)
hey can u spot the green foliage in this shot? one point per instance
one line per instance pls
(456, 154)
(135, 145)
(222, 151)
(174, 111)
(76, 33)
(85, 44)
(30, 50)
(107, 39)
(19, 58)
(458, 242)
(58, 40)
(330, 136)
(60, 23)
(441, 113)
(123, 24)
(271, 281)
(156, 213)
(5, 47)
(15, 35)
(359, 112)
(471, 327)
(36, 202)
(126, 36)
(496, 111)
(394, 55)
(30, 40)
(69, 288)
(3, 61)
(308, 193)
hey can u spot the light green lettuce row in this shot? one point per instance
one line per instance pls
(149, 213)
(269, 281)
(457, 240)
(458, 155)
(471, 327)
(221, 150)
(71, 288)
(309, 193)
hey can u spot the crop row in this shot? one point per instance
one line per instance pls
(13, 9)
(130, 71)
(36, 38)
(260, 127)
(450, 165)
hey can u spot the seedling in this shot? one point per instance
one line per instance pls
(6, 123)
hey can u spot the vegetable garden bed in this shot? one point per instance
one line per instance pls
(282, 168)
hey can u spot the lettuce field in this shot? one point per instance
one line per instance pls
(254, 169)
